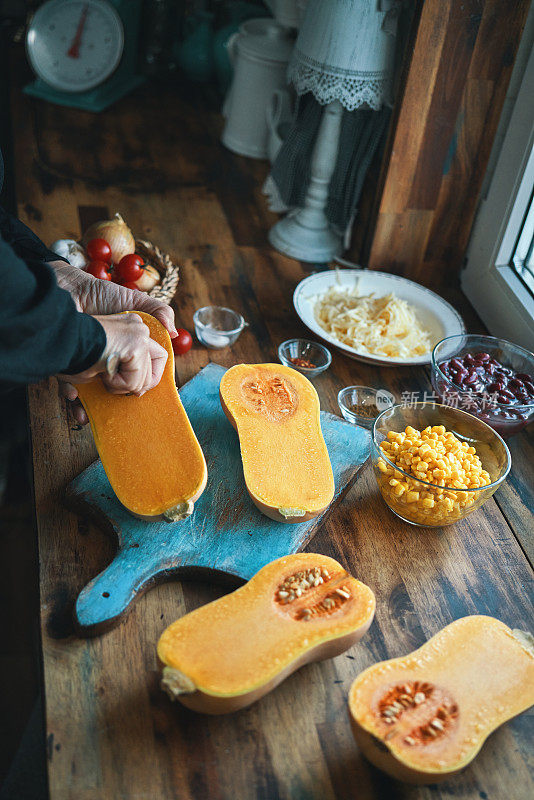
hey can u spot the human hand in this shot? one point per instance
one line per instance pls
(140, 360)
(98, 297)
(94, 296)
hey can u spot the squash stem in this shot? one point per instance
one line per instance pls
(179, 512)
(175, 683)
(292, 512)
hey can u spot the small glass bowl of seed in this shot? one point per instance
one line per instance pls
(309, 358)
(361, 405)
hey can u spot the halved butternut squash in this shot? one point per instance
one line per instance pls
(229, 653)
(146, 444)
(286, 466)
(424, 717)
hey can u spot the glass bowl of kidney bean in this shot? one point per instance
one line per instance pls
(486, 376)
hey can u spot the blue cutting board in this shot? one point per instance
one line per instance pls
(226, 534)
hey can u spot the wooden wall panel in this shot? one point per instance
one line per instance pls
(456, 83)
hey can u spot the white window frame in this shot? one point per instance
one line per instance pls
(500, 297)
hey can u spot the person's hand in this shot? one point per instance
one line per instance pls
(98, 297)
(139, 360)
(94, 296)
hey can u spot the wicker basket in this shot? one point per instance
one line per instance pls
(169, 272)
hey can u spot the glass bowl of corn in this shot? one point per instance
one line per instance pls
(435, 464)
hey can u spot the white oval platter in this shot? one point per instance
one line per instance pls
(434, 313)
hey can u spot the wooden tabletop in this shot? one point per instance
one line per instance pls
(111, 732)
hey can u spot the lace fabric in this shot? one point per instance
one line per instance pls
(353, 91)
(345, 51)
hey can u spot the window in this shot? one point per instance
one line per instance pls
(498, 277)
(523, 258)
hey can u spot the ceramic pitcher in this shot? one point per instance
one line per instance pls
(260, 52)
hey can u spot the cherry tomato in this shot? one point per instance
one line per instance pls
(99, 269)
(99, 250)
(129, 284)
(182, 343)
(129, 268)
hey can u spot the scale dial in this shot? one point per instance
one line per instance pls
(75, 45)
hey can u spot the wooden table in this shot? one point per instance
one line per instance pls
(111, 733)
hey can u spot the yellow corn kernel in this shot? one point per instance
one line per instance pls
(436, 456)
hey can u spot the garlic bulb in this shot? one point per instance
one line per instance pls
(71, 250)
(116, 233)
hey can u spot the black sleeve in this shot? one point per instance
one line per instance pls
(24, 242)
(41, 332)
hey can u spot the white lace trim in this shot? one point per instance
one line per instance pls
(371, 89)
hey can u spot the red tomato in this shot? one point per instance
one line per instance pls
(182, 343)
(99, 269)
(129, 284)
(129, 268)
(99, 250)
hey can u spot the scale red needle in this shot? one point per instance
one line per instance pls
(74, 49)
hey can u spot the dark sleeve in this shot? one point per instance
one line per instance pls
(41, 332)
(24, 242)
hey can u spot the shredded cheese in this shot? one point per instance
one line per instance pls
(372, 325)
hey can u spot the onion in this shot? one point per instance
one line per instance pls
(71, 250)
(148, 279)
(116, 233)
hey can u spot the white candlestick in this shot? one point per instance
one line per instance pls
(305, 233)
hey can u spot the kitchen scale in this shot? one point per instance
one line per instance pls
(84, 52)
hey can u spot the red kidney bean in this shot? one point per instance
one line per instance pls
(500, 389)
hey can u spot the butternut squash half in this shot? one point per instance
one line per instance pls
(229, 653)
(275, 411)
(146, 444)
(424, 717)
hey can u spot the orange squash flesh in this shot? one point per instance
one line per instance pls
(450, 694)
(146, 444)
(275, 411)
(229, 653)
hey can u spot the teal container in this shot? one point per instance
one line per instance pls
(194, 54)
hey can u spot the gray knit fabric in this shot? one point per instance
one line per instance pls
(361, 133)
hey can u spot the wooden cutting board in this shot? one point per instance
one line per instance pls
(226, 536)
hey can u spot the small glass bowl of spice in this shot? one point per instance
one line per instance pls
(361, 405)
(309, 358)
(217, 327)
